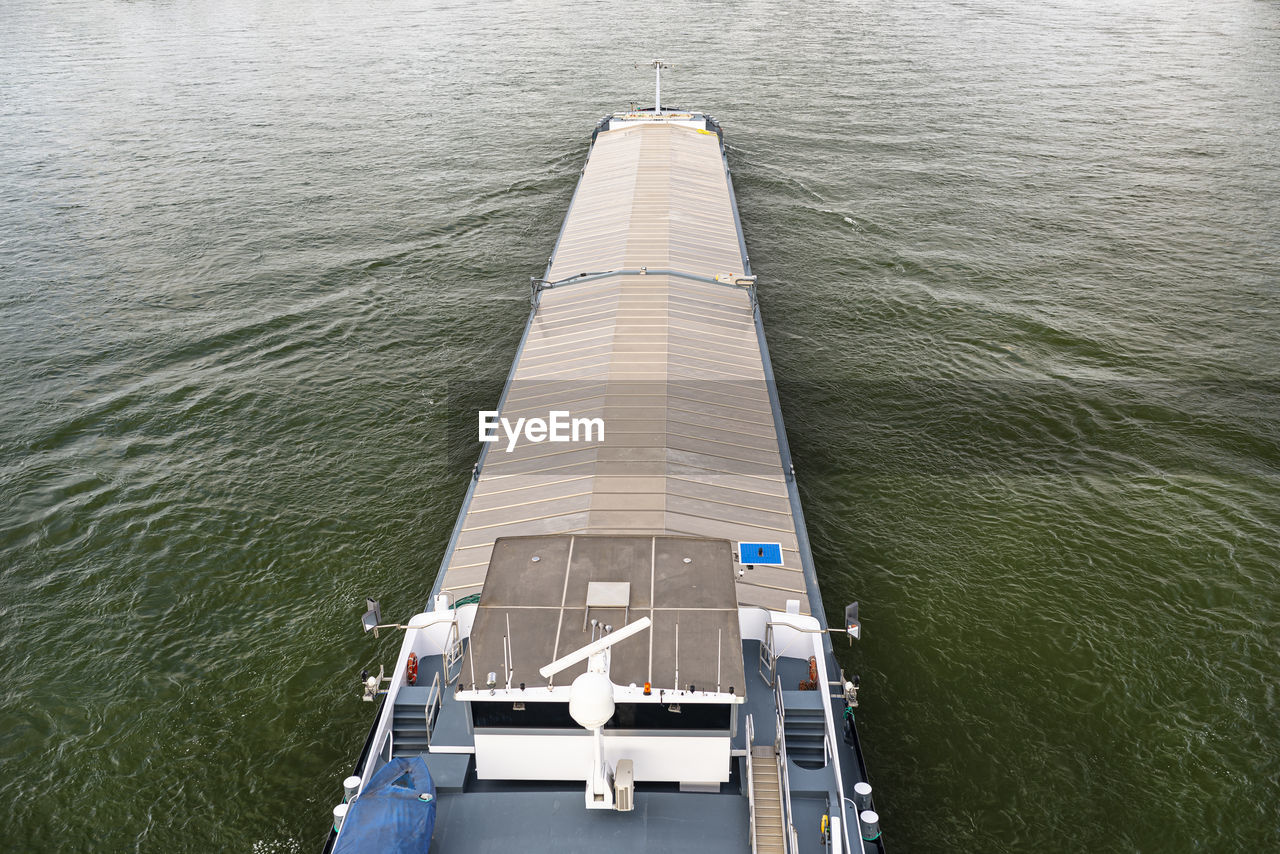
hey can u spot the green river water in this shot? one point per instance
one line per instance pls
(1018, 266)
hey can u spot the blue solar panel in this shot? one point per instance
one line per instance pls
(766, 554)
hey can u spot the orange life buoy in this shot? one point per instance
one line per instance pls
(411, 670)
(812, 683)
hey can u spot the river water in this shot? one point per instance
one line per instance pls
(1018, 264)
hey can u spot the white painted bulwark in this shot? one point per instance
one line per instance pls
(630, 120)
(795, 635)
(686, 759)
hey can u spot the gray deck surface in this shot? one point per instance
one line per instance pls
(685, 586)
(553, 818)
(545, 821)
(673, 366)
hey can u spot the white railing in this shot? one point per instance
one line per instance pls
(767, 658)
(432, 707)
(830, 750)
(828, 727)
(452, 654)
(751, 782)
(792, 636)
(780, 747)
(779, 636)
(829, 747)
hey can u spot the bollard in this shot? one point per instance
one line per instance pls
(339, 815)
(870, 825)
(862, 796)
(350, 786)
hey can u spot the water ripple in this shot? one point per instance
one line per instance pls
(1018, 273)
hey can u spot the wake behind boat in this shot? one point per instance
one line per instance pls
(625, 648)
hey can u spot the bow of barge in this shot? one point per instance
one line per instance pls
(625, 645)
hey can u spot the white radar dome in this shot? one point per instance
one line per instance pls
(591, 700)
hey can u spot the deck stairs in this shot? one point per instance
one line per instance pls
(767, 794)
(409, 735)
(805, 729)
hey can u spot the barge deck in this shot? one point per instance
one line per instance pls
(646, 319)
(714, 716)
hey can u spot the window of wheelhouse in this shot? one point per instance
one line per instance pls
(626, 716)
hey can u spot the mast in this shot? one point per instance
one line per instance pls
(658, 65)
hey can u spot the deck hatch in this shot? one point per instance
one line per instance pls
(760, 554)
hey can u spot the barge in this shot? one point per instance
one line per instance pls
(625, 648)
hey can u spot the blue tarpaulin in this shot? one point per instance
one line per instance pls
(394, 814)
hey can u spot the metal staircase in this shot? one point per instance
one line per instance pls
(413, 717)
(766, 795)
(805, 730)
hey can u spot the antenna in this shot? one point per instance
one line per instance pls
(508, 654)
(592, 648)
(677, 683)
(591, 704)
(719, 632)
